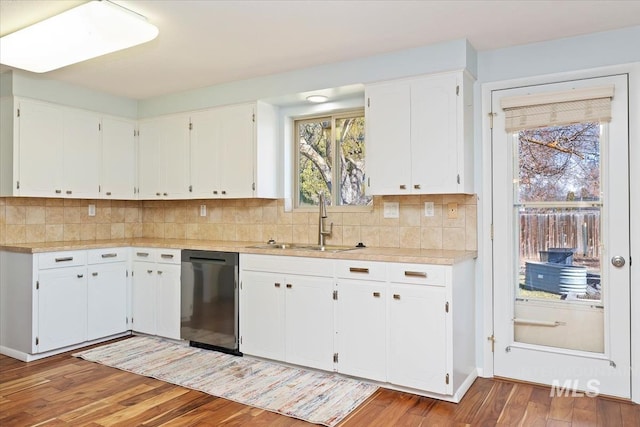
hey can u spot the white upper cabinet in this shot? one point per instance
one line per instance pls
(420, 136)
(163, 158)
(234, 152)
(56, 150)
(118, 174)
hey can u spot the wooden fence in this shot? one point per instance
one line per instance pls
(576, 230)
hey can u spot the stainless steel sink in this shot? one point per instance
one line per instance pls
(304, 247)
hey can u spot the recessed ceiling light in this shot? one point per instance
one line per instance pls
(317, 98)
(84, 32)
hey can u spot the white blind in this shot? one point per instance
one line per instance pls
(557, 108)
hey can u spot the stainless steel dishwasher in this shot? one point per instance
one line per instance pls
(209, 300)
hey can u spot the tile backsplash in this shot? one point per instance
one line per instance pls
(28, 220)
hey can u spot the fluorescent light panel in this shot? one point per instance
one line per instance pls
(317, 98)
(84, 32)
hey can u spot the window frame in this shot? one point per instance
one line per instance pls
(332, 116)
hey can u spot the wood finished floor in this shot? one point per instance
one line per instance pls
(63, 390)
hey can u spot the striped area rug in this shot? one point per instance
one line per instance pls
(320, 398)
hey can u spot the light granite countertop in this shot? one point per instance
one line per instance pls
(420, 256)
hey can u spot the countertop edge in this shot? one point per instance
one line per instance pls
(416, 256)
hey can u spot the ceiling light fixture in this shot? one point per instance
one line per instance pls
(84, 32)
(317, 98)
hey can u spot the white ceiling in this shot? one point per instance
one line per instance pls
(207, 42)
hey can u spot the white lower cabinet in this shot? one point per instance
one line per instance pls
(286, 310)
(156, 292)
(107, 287)
(388, 322)
(62, 308)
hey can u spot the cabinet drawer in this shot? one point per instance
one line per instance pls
(62, 259)
(420, 274)
(143, 254)
(101, 256)
(361, 270)
(168, 256)
(288, 265)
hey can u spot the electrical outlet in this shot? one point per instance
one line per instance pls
(452, 210)
(92, 210)
(428, 209)
(391, 209)
(203, 210)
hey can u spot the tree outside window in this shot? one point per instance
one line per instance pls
(331, 159)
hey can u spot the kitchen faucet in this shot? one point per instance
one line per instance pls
(321, 217)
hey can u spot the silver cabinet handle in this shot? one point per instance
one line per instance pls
(64, 259)
(403, 187)
(417, 186)
(164, 194)
(149, 271)
(289, 285)
(108, 193)
(358, 270)
(215, 191)
(224, 192)
(396, 296)
(58, 191)
(159, 272)
(277, 285)
(415, 274)
(158, 194)
(376, 294)
(618, 261)
(69, 191)
(169, 256)
(94, 274)
(142, 253)
(109, 255)
(80, 276)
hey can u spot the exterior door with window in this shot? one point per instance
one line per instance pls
(561, 235)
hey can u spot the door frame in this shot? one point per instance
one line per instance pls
(485, 244)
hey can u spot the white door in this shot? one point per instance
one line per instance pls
(149, 148)
(106, 300)
(235, 150)
(205, 154)
(361, 329)
(168, 301)
(262, 314)
(144, 297)
(81, 154)
(561, 237)
(118, 159)
(309, 321)
(174, 156)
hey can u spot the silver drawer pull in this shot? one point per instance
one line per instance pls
(224, 192)
(94, 274)
(215, 191)
(69, 192)
(149, 271)
(58, 191)
(415, 274)
(164, 194)
(396, 296)
(416, 186)
(68, 258)
(159, 272)
(158, 194)
(289, 285)
(169, 256)
(358, 270)
(142, 253)
(110, 255)
(277, 285)
(80, 276)
(108, 193)
(403, 187)
(376, 294)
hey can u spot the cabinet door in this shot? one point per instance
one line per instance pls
(106, 300)
(62, 308)
(262, 313)
(388, 123)
(143, 304)
(118, 159)
(41, 130)
(81, 152)
(309, 318)
(205, 139)
(417, 339)
(434, 134)
(174, 156)
(149, 144)
(361, 329)
(168, 300)
(236, 151)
